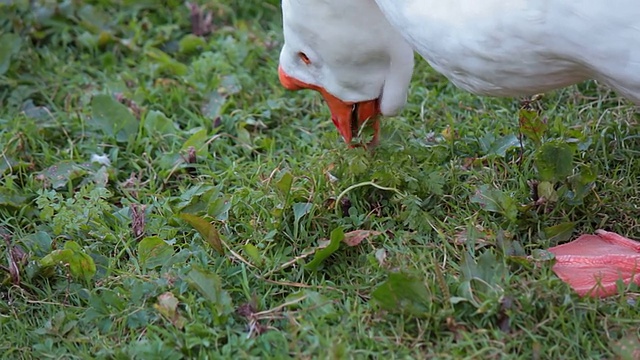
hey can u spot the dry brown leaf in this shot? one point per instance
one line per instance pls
(16, 257)
(137, 220)
(168, 306)
(354, 238)
(201, 19)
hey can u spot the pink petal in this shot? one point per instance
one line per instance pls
(592, 264)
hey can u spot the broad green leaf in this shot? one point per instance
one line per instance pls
(88, 40)
(300, 210)
(157, 122)
(253, 252)
(80, 264)
(312, 302)
(481, 280)
(230, 85)
(337, 235)
(554, 160)
(8, 163)
(9, 46)
(213, 108)
(197, 140)
(191, 43)
(510, 247)
(489, 268)
(219, 208)
(581, 184)
(503, 144)
(285, 182)
(209, 285)
(494, 200)
(560, 233)
(63, 172)
(542, 255)
(243, 136)
(92, 18)
(113, 118)
(55, 257)
(403, 293)
(207, 230)
(154, 252)
(38, 243)
(488, 198)
(546, 190)
(12, 200)
(166, 63)
(626, 348)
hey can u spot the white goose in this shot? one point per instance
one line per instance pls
(359, 53)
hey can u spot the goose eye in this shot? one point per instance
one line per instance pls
(304, 58)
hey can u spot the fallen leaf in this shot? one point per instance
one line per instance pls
(354, 238)
(594, 264)
(457, 329)
(167, 306)
(477, 234)
(207, 230)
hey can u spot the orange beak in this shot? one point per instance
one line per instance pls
(348, 117)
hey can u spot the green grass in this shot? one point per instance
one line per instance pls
(204, 128)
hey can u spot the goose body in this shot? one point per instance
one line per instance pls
(507, 48)
(361, 51)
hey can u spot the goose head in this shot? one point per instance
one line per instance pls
(347, 51)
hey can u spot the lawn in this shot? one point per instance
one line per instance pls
(163, 197)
